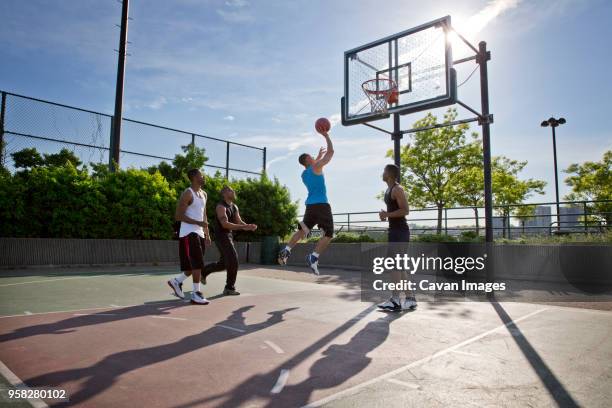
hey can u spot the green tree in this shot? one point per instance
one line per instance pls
(524, 213)
(176, 174)
(59, 159)
(469, 184)
(27, 158)
(508, 189)
(592, 181)
(432, 161)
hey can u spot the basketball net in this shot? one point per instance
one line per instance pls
(381, 92)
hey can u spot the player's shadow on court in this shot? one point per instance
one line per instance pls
(339, 363)
(100, 377)
(160, 308)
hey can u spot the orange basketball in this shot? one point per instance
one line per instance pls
(393, 97)
(322, 125)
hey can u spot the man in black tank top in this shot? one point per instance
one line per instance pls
(227, 220)
(397, 209)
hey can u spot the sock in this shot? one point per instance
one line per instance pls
(288, 248)
(180, 277)
(316, 254)
(196, 286)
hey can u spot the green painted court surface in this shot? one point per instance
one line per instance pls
(291, 339)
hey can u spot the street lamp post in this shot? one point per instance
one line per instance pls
(553, 123)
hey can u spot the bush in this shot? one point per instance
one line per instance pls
(470, 236)
(346, 238)
(435, 238)
(51, 199)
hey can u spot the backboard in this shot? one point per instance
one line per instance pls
(419, 61)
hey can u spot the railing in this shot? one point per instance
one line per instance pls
(27, 122)
(576, 217)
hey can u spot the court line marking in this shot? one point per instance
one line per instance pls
(67, 311)
(27, 312)
(17, 383)
(280, 383)
(230, 328)
(63, 279)
(466, 353)
(113, 305)
(403, 384)
(168, 317)
(274, 347)
(390, 374)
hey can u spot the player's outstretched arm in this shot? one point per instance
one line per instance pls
(329, 152)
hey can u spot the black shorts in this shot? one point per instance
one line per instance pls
(398, 234)
(191, 252)
(321, 215)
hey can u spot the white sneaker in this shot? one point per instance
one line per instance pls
(391, 305)
(198, 298)
(409, 304)
(313, 263)
(177, 288)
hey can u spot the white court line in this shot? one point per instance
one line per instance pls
(280, 383)
(113, 305)
(61, 279)
(390, 374)
(274, 347)
(466, 353)
(230, 328)
(17, 383)
(168, 317)
(95, 314)
(67, 311)
(27, 312)
(403, 383)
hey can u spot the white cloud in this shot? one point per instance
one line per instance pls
(229, 117)
(157, 103)
(236, 11)
(477, 22)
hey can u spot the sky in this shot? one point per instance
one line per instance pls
(261, 73)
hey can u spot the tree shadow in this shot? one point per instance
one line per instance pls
(102, 375)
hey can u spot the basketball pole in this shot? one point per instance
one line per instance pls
(396, 136)
(483, 57)
(116, 122)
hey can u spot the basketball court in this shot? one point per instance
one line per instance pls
(114, 336)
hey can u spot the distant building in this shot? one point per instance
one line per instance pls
(570, 217)
(540, 223)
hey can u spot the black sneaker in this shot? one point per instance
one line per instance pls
(230, 292)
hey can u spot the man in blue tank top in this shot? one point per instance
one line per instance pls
(318, 211)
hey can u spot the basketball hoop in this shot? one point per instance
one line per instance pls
(381, 92)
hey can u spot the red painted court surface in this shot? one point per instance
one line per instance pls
(115, 337)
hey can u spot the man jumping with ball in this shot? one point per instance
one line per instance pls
(318, 210)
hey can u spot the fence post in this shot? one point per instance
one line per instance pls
(584, 214)
(348, 222)
(193, 140)
(264, 160)
(2, 110)
(111, 164)
(446, 221)
(227, 145)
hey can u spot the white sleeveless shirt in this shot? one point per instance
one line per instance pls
(195, 211)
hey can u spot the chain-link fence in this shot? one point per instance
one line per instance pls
(27, 122)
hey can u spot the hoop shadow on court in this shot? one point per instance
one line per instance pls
(100, 377)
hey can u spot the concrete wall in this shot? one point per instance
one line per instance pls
(21, 252)
(546, 263)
